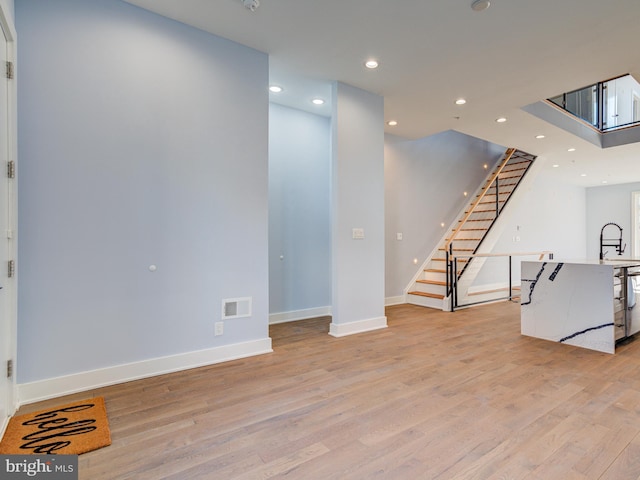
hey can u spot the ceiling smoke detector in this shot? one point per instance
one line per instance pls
(480, 5)
(251, 4)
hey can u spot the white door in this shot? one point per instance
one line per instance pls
(6, 324)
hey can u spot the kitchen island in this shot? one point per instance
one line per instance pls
(587, 303)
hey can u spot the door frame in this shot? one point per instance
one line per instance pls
(11, 284)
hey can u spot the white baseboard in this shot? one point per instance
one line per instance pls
(3, 426)
(399, 300)
(351, 328)
(299, 315)
(79, 382)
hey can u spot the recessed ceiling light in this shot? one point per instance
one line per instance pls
(371, 64)
(392, 123)
(571, 150)
(539, 136)
(480, 5)
(461, 101)
(275, 88)
(317, 101)
(583, 174)
(555, 165)
(604, 181)
(501, 120)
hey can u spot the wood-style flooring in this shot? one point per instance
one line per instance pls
(435, 395)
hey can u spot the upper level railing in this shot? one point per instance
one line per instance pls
(605, 105)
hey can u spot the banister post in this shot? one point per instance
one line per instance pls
(497, 197)
(510, 283)
(447, 273)
(454, 297)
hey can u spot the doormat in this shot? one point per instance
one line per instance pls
(70, 429)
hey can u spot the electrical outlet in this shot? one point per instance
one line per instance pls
(219, 329)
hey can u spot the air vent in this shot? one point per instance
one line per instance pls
(236, 308)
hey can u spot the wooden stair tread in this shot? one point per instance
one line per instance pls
(482, 211)
(519, 166)
(437, 270)
(517, 161)
(444, 260)
(432, 282)
(430, 295)
(502, 186)
(490, 194)
(443, 249)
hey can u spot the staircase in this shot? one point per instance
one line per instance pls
(431, 288)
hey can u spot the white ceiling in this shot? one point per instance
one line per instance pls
(432, 52)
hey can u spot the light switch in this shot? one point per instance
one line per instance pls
(398, 236)
(358, 233)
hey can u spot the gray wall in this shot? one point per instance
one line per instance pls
(609, 204)
(357, 196)
(424, 184)
(142, 142)
(299, 210)
(549, 215)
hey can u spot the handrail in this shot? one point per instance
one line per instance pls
(507, 156)
(600, 101)
(454, 262)
(541, 254)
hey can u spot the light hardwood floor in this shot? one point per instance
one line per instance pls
(434, 396)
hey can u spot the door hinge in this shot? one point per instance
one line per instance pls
(9, 368)
(9, 70)
(11, 270)
(11, 169)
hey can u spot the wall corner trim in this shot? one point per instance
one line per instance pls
(83, 381)
(361, 326)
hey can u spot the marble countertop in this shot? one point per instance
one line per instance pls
(615, 262)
